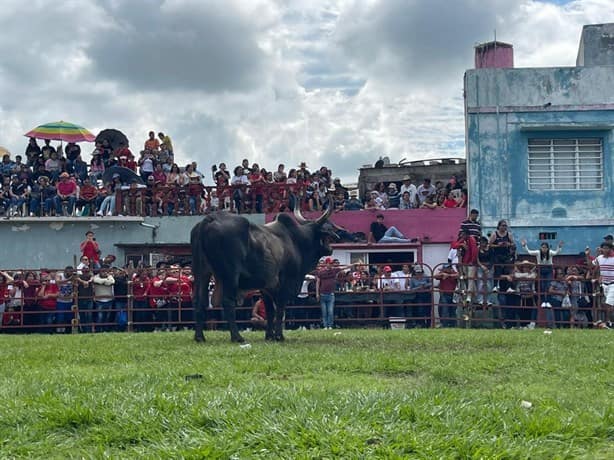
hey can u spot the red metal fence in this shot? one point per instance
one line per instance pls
(442, 296)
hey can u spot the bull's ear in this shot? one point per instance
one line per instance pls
(324, 217)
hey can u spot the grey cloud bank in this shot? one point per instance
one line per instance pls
(334, 83)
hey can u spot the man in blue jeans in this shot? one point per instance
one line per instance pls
(326, 284)
(379, 233)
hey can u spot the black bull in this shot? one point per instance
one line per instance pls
(243, 256)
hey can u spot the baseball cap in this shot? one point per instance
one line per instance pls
(328, 260)
(387, 268)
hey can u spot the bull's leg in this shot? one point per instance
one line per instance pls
(280, 312)
(231, 318)
(270, 317)
(201, 303)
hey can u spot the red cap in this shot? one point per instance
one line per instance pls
(387, 268)
(328, 260)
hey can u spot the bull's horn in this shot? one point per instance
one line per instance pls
(297, 212)
(324, 217)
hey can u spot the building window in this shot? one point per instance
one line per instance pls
(566, 164)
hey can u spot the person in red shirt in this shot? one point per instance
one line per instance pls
(90, 249)
(152, 144)
(66, 192)
(47, 299)
(186, 284)
(158, 297)
(447, 277)
(258, 319)
(140, 306)
(88, 197)
(467, 262)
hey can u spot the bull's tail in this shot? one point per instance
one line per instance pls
(202, 277)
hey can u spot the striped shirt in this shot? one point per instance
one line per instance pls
(606, 268)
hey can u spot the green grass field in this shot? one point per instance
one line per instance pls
(321, 394)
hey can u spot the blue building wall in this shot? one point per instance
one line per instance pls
(506, 107)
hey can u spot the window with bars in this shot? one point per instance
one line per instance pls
(566, 164)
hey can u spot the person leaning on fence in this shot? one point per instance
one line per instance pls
(467, 248)
(421, 285)
(103, 298)
(605, 263)
(544, 257)
(447, 277)
(503, 248)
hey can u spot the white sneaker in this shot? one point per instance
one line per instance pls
(99, 213)
(495, 289)
(109, 213)
(510, 291)
(531, 325)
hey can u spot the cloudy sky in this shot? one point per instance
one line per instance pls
(330, 82)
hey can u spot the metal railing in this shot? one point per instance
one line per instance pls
(496, 299)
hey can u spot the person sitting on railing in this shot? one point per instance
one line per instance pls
(53, 166)
(89, 198)
(167, 164)
(280, 175)
(239, 182)
(20, 195)
(405, 202)
(353, 203)
(66, 194)
(393, 196)
(159, 174)
(195, 191)
(126, 161)
(374, 201)
(430, 202)
(174, 175)
(152, 144)
(96, 166)
(107, 206)
(256, 190)
(146, 164)
(166, 144)
(33, 152)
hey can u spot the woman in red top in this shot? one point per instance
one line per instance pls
(90, 249)
(140, 306)
(5, 281)
(47, 299)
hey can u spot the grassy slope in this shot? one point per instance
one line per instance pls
(321, 394)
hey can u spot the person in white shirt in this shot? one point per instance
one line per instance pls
(605, 262)
(425, 190)
(410, 188)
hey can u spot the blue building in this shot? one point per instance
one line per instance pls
(540, 143)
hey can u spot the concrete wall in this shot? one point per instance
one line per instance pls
(596, 45)
(50, 242)
(504, 109)
(435, 169)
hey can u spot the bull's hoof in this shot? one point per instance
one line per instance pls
(237, 339)
(199, 338)
(279, 338)
(269, 337)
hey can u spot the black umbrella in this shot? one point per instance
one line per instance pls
(114, 137)
(126, 175)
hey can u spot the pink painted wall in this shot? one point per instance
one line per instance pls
(428, 225)
(487, 56)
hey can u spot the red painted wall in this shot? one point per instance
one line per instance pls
(428, 225)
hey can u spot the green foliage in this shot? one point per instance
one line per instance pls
(321, 394)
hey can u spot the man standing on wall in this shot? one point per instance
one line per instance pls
(471, 225)
(90, 250)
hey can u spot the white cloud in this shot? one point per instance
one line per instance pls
(335, 83)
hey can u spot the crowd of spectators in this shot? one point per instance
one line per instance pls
(57, 180)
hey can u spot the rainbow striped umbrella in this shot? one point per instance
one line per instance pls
(61, 131)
